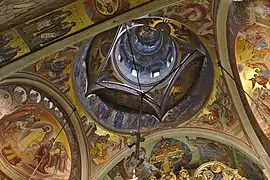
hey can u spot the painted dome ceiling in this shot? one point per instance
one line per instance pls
(165, 61)
(78, 77)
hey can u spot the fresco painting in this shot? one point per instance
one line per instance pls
(61, 22)
(196, 151)
(31, 140)
(14, 12)
(39, 31)
(101, 147)
(27, 135)
(11, 46)
(196, 15)
(56, 67)
(220, 114)
(252, 55)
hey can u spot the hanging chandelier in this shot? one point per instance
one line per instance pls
(207, 171)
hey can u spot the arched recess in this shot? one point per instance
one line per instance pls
(221, 38)
(62, 100)
(182, 132)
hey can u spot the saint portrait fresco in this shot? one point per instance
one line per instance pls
(11, 47)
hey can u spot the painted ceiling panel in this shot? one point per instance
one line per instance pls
(15, 12)
(51, 22)
(35, 136)
(250, 53)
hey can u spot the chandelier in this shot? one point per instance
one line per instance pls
(207, 171)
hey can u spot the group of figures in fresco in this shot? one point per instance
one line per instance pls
(194, 13)
(53, 68)
(7, 52)
(252, 53)
(188, 153)
(101, 147)
(29, 131)
(47, 28)
(39, 31)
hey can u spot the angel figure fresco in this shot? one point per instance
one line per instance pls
(101, 148)
(98, 149)
(220, 113)
(52, 68)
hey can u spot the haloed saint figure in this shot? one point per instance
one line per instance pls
(107, 7)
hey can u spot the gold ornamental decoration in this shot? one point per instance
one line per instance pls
(207, 171)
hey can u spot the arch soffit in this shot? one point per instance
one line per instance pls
(221, 39)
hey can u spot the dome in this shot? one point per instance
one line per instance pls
(154, 55)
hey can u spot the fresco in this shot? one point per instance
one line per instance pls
(38, 31)
(56, 67)
(14, 12)
(11, 46)
(251, 54)
(220, 115)
(32, 142)
(196, 151)
(196, 15)
(61, 22)
(66, 71)
(101, 147)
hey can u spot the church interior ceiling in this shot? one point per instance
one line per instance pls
(173, 54)
(249, 49)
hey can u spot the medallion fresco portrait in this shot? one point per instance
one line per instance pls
(33, 142)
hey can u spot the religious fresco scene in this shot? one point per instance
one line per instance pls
(85, 110)
(30, 140)
(55, 21)
(251, 53)
(179, 154)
